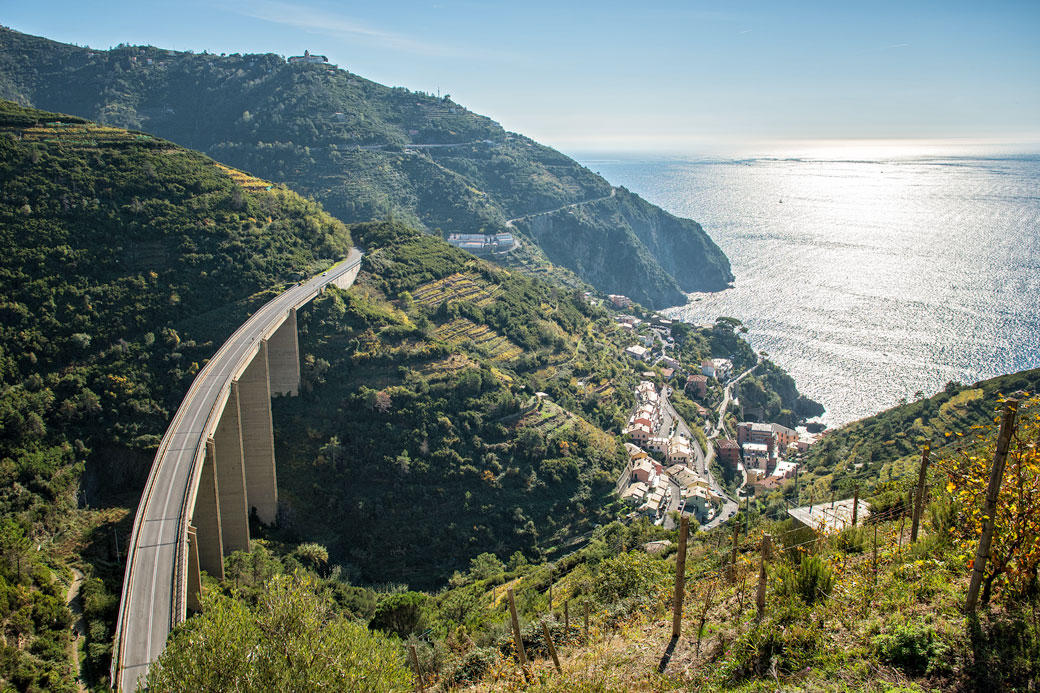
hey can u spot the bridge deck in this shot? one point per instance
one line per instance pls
(149, 606)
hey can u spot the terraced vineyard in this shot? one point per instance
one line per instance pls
(460, 330)
(456, 287)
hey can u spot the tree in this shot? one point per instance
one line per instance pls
(315, 555)
(290, 640)
(485, 565)
(401, 614)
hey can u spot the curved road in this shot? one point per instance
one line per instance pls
(729, 506)
(158, 546)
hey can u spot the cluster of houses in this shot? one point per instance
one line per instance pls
(649, 483)
(762, 449)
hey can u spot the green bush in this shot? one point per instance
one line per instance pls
(811, 580)
(915, 648)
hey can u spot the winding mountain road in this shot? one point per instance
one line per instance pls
(613, 192)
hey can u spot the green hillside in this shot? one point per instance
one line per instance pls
(127, 261)
(366, 151)
(888, 445)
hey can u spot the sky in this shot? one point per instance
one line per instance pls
(657, 76)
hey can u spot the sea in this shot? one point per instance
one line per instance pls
(869, 275)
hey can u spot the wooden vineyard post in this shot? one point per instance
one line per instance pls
(516, 631)
(418, 672)
(552, 648)
(733, 558)
(1007, 428)
(855, 505)
(586, 621)
(919, 496)
(551, 566)
(680, 577)
(567, 618)
(760, 597)
(875, 552)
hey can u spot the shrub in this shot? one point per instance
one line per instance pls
(914, 648)
(810, 581)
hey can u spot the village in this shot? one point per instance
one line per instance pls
(668, 472)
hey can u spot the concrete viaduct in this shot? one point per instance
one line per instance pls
(215, 464)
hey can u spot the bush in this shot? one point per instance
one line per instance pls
(810, 581)
(473, 665)
(915, 648)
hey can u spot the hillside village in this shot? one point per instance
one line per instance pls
(669, 469)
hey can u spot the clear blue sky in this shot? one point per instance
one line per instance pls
(616, 75)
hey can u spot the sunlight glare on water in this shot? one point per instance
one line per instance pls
(868, 274)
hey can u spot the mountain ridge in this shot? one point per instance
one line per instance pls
(367, 151)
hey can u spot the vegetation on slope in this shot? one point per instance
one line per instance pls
(860, 609)
(367, 151)
(433, 360)
(888, 445)
(127, 261)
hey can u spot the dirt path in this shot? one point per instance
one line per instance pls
(79, 626)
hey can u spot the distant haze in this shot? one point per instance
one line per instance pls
(610, 76)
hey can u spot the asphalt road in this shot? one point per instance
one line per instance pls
(148, 601)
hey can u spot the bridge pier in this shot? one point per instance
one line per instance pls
(258, 436)
(206, 516)
(231, 477)
(194, 576)
(283, 357)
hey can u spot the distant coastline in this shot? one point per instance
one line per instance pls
(876, 278)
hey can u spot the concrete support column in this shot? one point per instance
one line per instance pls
(231, 478)
(284, 358)
(258, 437)
(206, 516)
(194, 576)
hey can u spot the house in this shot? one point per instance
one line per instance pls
(697, 385)
(749, 432)
(723, 368)
(308, 59)
(768, 483)
(784, 436)
(635, 493)
(755, 455)
(628, 320)
(805, 441)
(669, 362)
(620, 300)
(635, 452)
(667, 373)
(638, 352)
(678, 450)
(708, 368)
(831, 517)
(686, 477)
(644, 471)
(785, 470)
(639, 433)
(728, 451)
(698, 500)
(657, 444)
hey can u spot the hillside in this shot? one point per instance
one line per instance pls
(419, 403)
(888, 445)
(868, 608)
(367, 151)
(127, 261)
